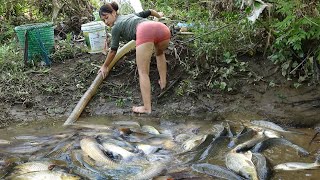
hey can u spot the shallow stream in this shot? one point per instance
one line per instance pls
(179, 167)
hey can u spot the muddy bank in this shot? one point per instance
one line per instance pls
(62, 86)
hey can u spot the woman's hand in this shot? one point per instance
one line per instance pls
(104, 71)
(161, 14)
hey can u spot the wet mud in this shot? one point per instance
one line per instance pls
(281, 103)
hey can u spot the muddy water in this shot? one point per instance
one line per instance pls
(174, 125)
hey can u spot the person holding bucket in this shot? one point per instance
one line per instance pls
(149, 35)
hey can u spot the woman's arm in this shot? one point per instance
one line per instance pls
(104, 68)
(150, 12)
(156, 14)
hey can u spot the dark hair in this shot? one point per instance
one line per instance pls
(108, 8)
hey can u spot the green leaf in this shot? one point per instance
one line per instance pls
(296, 85)
(223, 85)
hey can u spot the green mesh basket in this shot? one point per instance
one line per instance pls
(40, 39)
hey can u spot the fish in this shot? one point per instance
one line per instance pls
(218, 130)
(250, 143)
(95, 127)
(88, 174)
(272, 126)
(230, 130)
(47, 175)
(180, 138)
(149, 129)
(261, 146)
(268, 125)
(163, 140)
(193, 142)
(134, 136)
(216, 147)
(4, 142)
(127, 123)
(22, 149)
(153, 170)
(271, 134)
(148, 149)
(241, 163)
(262, 166)
(35, 166)
(216, 171)
(294, 166)
(114, 149)
(60, 148)
(244, 135)
(117, 141)
(78, 160)
(25, 137)
(91, 147)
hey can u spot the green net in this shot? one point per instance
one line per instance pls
(40, 39)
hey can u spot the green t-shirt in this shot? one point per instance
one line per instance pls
(124, 28)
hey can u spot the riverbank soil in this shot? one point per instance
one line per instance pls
(59, 88)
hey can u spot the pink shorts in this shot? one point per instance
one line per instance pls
(151, 31)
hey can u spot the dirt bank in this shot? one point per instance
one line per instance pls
(59, 89)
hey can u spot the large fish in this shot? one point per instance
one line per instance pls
(88, 174)
(60, 148)
(216, 171)
(215, 148)
(4, 142)
(261, 146)
(244, 135)
(117, 141)
(154, 170)
(262, 166)
(91, 147)
(78, 160)
(272, 126)
(35, 166)
(22, 149)
(193, 142)
(268, 125)
(127, 123)
(117, 150)
(94, 127)
(149, 129)
(241, 163)
(294, 166)
(46, 175)
(148, 149)
(218, 130)
(250, 143)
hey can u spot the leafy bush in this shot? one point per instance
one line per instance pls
(296, 47)
(10, 58)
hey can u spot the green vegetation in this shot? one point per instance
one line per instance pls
(287, 33)
(296, 46)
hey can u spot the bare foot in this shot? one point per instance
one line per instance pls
(162, 85)
(140, 110)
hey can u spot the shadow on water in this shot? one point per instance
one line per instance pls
(31, 141)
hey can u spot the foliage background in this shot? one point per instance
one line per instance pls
(287, 34)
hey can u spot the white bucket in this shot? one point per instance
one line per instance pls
(95, 36)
